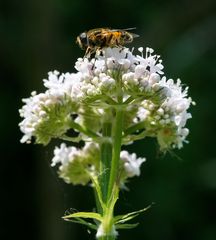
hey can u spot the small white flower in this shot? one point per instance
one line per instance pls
(140, 71)
(140, 49)
(160, 111)
(64, 155)
(143, 113)
(154, 78)
(131, 163)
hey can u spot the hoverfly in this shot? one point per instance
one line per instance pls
(99, 38)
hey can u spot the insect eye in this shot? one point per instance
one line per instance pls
(83, 39)
(127, 37)
(83, 35)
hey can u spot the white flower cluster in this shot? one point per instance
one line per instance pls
(174, 109)
(161, 105)
(33, 113)
(167, 120)
(99, 74)
(75, 164)
(37, 108)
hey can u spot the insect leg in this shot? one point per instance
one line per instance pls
(89, 52)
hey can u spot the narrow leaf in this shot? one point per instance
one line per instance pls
(84, 215)
(129, 216)
(114, 196)
(83, 222)
(126, 219)
(98, 190)
(126, 226)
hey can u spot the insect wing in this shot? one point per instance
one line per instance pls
(126, 30)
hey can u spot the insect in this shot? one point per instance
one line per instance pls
(99, 38)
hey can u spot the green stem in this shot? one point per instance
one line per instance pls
(106, 158)
(107, 238)
(110, 156)
(117, 140)
(85, 131)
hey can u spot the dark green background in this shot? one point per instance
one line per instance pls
(39, 36)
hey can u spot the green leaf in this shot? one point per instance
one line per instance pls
(98, 190)
(127, 217)
(83, 222)
(126, 226)
(114, 196)
(84, 215)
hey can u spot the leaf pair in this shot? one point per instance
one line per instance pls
(119, 221)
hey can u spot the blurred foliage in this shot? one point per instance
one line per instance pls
(39, 36)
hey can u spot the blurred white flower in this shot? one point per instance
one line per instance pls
(131, 163)
(64, 155)
(75, 164)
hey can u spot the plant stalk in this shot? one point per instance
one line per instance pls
(117, 141)
(110, 159)
(106, 159)
(109, 169)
